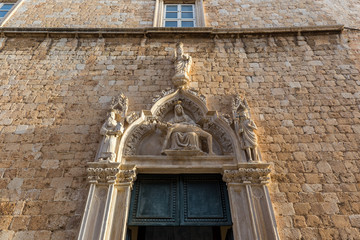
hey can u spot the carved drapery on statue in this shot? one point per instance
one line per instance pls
(244, 127)
(182, 63)
(183, 134)
(113, 128)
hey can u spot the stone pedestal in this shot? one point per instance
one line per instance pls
(181, 80)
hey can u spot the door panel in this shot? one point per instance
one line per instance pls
(204, 201)
(154, 201)
(179, 200)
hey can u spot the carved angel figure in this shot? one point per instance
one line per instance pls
(248, 137)
(183, 132)
(111, 130)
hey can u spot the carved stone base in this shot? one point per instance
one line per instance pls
(180, 80)
(195, 152)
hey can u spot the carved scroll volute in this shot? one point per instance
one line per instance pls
(244, 128)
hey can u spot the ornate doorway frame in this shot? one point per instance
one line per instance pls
(135, 144)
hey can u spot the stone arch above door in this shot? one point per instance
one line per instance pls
(144, 137)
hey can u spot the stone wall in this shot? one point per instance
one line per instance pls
(218, 13)
(303, 92)
(84, 13)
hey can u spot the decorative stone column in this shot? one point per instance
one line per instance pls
(102, 177)
(251, 208)
(120, 208)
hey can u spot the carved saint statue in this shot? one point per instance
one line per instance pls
(183, 133)
(248, 137)
(111, 130)
(182, 66)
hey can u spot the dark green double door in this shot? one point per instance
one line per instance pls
(179, 207)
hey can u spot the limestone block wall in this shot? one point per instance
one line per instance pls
(218, 13)
(303, 92)
(83, 13)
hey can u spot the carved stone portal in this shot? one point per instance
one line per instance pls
(178, 135)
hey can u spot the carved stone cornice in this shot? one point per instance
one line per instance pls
(163, 93)
(127, 176)
(197, 94)
(160, 32)
(102, 173)
(247, 175)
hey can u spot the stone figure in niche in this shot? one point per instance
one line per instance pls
(184, 134)
(182, 66)
(248, 136)
(111, 130)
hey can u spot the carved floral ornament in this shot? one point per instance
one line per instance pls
(247, 176)
(102, 174)
(110, 174)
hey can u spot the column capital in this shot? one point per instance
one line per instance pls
(247, 175)
(127, 176)
(102, 173)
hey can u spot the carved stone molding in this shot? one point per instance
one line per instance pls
(197, 94)
(251, 175)
(132, 117)
(221, 136)
(163, 93)
(127, 176)
(102, 173)
(196, 112)
(136, 136)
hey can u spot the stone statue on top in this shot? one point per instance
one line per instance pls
(182, 65)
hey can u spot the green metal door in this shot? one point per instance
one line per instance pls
(179, 200)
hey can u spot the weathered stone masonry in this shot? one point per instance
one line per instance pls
(303, 92)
